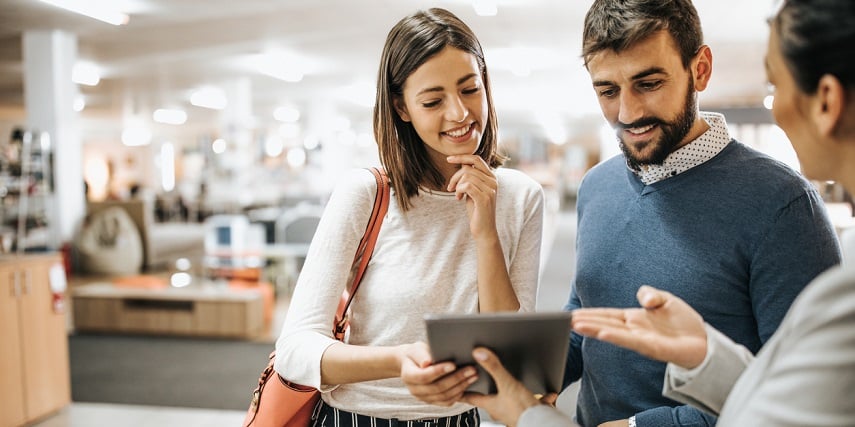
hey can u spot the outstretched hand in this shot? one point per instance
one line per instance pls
(512, 398)
(666, 328)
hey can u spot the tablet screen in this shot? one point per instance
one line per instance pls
(532, 346)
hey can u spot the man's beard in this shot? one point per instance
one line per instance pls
(672, 133)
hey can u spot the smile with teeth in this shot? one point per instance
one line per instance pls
(641, 130)
(457, 133)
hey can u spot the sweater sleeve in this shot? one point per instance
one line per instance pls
(307, 331)
(801, 236)
(524, 267)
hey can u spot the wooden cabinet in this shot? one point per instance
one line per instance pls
(34, 372)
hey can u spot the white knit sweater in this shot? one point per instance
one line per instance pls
(424, 262)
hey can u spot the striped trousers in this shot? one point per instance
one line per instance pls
(327, 416)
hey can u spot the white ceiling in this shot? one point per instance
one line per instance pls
(171, 47)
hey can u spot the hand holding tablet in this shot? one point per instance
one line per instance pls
(532, 346)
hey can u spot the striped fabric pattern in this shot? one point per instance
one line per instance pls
(327, 416)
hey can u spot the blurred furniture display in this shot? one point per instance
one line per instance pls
(27, 192)
(203, 309)
(232, 242)
(162, 242)
(34, 372)
(295, 229)
(233, 256)
(109, 243)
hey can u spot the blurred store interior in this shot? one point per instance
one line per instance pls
(203, 118)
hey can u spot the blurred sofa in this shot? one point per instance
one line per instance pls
(163, 242)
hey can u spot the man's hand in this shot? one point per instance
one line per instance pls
(512, 399)
(438, 384)
(666, 328)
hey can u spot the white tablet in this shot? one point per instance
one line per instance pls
(532, 346)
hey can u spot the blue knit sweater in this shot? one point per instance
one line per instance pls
(737, 237)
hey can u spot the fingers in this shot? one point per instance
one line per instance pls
(474, 172)
(421, 375)
(446, 390)
(549, 399)
(438, 384)
(493, 366)
(512, 397)
(651, 298)
(592, 322)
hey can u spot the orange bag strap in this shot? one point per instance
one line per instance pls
(364, 251)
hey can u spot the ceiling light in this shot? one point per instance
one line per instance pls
(209, 97)
(218, 146)
(170, 117)
(296, 157)
(136, 136)
(101, 11)
(85, 73)
(273, 146)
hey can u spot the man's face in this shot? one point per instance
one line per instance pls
(648, 97)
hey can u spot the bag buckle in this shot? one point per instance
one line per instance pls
(253, 405)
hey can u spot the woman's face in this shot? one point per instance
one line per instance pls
(790, 111)
(445, 101)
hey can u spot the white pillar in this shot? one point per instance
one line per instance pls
(49, 57)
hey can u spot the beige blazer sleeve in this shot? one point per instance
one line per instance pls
(709, 388)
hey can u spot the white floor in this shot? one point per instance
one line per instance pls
(552, 295)
(82, 414)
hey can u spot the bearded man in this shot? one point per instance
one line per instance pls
(685, 208)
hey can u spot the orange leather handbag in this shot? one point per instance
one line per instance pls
(280, 403)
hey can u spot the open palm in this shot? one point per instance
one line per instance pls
(665, 328)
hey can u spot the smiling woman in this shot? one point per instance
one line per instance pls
(461, 236)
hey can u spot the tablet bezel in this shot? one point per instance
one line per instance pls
(532, 346)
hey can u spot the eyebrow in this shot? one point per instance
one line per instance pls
(439, 88)
(639, 75)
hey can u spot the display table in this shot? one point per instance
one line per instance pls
(197, 310)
